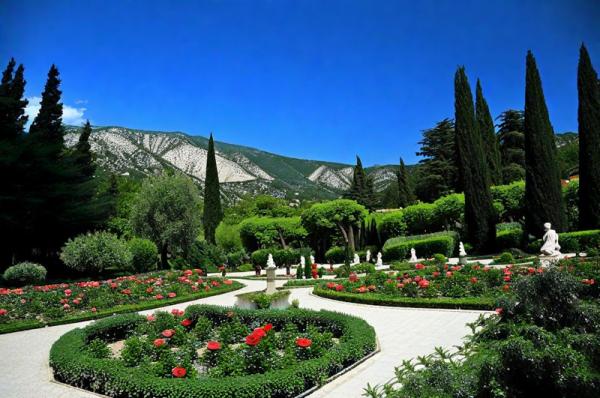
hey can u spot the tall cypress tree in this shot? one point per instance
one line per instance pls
(12, 103)
(405, 195)
(479, 211)
(83, 154)
(485, 125)
(213, 212)
(47, 125)
(589, 142)
(361, 188)
(543, 195)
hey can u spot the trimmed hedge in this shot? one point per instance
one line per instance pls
(508, 239)
(573, 242)
(292, 283)
(147, 305)
(335, 255)
(472, 303)
(425, 246)
(72, 365)
(25, 274)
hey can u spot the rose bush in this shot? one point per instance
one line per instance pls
(35, 306)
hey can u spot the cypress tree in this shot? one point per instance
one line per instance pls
(47, 125)
(83, 155)
(479, 212)
(361, 188)
(405, 195)
(12, 104)
(589, 142)
(213, 212)
(543, 195)
(485, 125)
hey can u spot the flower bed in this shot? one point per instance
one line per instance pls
(471, 286)
(210, 351)
(38, 306)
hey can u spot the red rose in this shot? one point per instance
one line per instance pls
(150, 289)
(168, 333)
(419, 266)
(198, 271)
(150, 318)
(499, 311)
(400, 285)
(113, 285)
(353, 277)
(339, 288)
(303, 342)
(178, 372)
(330, 285)
(176, 312)
(159, 297)
(260, 332)
(126, 291)
(68, 292)
(507, 278)
(213, 345)
(66, 306)
(252, 339)
(186, 322)
(506, 288)
(172, 295)
(449, 274)
(159, 343)
(228, 282)
(435, 274)
(3, 312)
(94, 309)
(268, 327)
(531, 270)
(424, 284)
(473, 280)
(188, 272)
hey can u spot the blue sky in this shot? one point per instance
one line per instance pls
(312, 79)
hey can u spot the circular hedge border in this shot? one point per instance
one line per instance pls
(463, 303)
(72, 365)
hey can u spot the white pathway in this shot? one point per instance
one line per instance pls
(403, 333)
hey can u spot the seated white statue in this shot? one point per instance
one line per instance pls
(550, 246)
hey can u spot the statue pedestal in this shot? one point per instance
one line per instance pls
(462, 260)
(548, 261)
(271, 280)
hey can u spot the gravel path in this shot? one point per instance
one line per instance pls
(403, 333)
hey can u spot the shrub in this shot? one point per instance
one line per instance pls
(285, 257)
(260, 257)
(203, 255)
(95, 252)
(245, 267)
(573, 241)
(512, 199)
(420, 218)
(449, 210)
(505, 258)
(228, 237)
(144, 254)
(335, 255)
(236, 258)
(508, 238)
(399, 248)
(25, 274)
(393, 224)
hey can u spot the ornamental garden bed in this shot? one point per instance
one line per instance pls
(38, 306)
(472, 286)
(210, 351)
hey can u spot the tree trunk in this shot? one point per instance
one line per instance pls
(351, 242)
(282, 240)
(163, 257)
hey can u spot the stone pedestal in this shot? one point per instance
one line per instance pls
(547, 261)
(462, 260)
(271, 280)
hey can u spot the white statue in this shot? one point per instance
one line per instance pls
(312, 259)
(356, 259)
(413, 255)
(550, 246)
(461, 250)
(368, 256)
(302, 261)
(379, 260)
(270, 262)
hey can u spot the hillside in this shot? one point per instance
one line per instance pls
(242, 170)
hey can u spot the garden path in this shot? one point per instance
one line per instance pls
(403, 333)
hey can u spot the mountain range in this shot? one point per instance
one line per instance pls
(242, 170)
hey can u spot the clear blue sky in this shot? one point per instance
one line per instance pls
(315, 79)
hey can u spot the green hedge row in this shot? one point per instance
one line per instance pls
(147, 305)
(573, 242)
(73, 366)
(508, 239)
(399, 248)
(472, 303)
(307, 282)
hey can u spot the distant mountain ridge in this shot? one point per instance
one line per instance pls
(242, 170)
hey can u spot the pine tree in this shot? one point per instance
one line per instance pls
(437, 173)
(543, 196)
(512, 145)
(589, 142)
(12, 104)
(361, 188)
(479, 211)
(485, 125)
(405, 195)
(83, 154)
(213, 212)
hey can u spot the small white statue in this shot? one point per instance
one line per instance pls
(379, 260)
(461, 250)
(368, 256)
(302, 261)
(356, 259)
(550, 246)
(312, 259)
(413, 255)
(270, 262)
